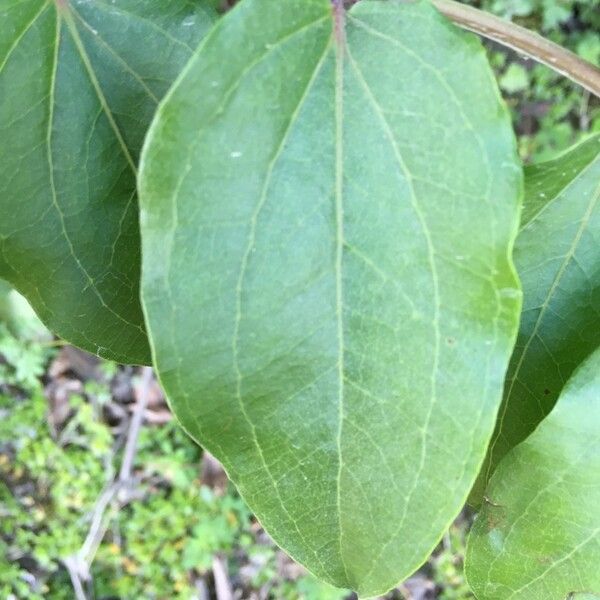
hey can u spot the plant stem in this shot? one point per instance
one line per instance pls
(142, 395)
(79, 564)
(523, 40)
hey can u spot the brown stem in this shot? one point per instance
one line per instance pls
(523, 40)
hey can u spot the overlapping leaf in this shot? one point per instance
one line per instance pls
(79, 83)
(538, 534)
(327, 219)
(557, 255)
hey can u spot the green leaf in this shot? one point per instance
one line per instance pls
(326, 226)
(557, 259)
(18, 316)
(79, 84)
(538, 535)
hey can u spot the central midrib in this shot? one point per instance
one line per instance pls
(339, 43)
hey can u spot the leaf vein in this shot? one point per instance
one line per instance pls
(239, 287)
(555, 285)
(406, 175)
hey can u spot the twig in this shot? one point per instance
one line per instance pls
(222, 585)
(73, 570)
(97, 529)
(136, 423)
(525, 41)
(78, 565)
(202, 589)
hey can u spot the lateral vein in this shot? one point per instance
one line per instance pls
(239, 286)
(403, 168)
(118, 58)
(545, 306)
(98, 89)
(23, 33)
(54, 193)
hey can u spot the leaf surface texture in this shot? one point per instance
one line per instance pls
(79, 84)
(538, 534)
(319, 319)
(557, 255)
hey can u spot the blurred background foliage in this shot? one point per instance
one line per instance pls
(549, 112)
(63, 419)
(63, 416)
(179, 530)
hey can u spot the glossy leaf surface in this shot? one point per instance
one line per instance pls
(326, 222)
(538, 535)
(79, 84)
(557, 255)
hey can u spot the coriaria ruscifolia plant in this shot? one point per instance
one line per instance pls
(331, 223)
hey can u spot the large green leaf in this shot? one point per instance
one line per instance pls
(326, 222)
(538, 535)
(557, 258)
(79, 84)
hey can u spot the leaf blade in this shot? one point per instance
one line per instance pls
(272, 295)
(540, 537)
(556, 257)
(73, 123)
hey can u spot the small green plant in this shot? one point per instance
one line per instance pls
(309, 214)
(47, 522)
(50, 487)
